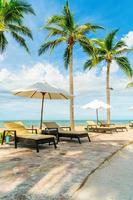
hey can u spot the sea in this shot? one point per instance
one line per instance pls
(30, 123)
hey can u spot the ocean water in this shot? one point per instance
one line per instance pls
(36, 123)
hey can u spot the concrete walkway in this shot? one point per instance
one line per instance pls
(113, 181)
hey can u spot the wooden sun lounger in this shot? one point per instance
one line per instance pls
(21, 134)
(131, 125)
(54, 128)
(102, 129)
(121, 128)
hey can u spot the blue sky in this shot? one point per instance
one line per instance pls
(18, 69)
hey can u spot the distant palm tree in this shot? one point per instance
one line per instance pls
(64, 28)
(130, 85)
(11, 22)
(108, 50)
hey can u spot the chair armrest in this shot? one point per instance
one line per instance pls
(50, 130)
(9, 131)
(91, 126)
(32, 129)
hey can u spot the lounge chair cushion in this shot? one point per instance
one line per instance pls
(91, 123)
(53, 125)
(73, 132)
(35, 137)
(22, 132)
(18, 127)
(50, 125)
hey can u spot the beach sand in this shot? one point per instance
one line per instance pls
(55, 174)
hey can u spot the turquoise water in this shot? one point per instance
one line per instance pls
(29, 123)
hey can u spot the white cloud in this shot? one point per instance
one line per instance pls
(88, 86)
(2, 57)
(28, 75)
(113, 69)
(128, 38)
(85, 82)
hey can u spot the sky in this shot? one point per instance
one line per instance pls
(19, 69)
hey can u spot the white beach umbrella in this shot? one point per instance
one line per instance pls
(130, 108)
(96, 104)
(42, 91)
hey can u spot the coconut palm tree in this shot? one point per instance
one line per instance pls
(11, 22)
(130, 85)
(65, 30)
(108, 50)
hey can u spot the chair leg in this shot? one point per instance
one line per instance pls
(79, 140)
(89, 138)
(15, 139)
(58, 138)
(54, 144)
(15, 143)
(37, 147)
(3, 138)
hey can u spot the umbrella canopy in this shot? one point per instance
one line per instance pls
(130, 108)
(42, 91)
(96, 104)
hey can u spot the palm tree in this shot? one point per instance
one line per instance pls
(65, 30)
(106, 50)
(11, 22)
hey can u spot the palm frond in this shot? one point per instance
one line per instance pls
(54, 31)
(110, 39)
(87, 46)
(21, 29)
(86, 28)
(120, 44)
(64, 26)
(124, 65)
(88, 64)
(3, 42)
(20, 40)
(122, 51)
(15, 10)
(93, 62)
(50, 45)
(12, 13)
(69, 20)
(21, 7)
(129, 85)
(99, 43)
(55, 19)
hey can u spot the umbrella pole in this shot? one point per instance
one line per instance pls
(97, 115)
(42, 108)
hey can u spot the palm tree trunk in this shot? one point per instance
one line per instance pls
(71, 89)
(108, 91)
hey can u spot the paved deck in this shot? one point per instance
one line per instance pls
(54, 174)
(112, 181)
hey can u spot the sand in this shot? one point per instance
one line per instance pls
(54, 174)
